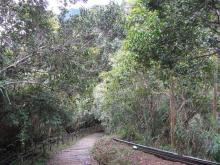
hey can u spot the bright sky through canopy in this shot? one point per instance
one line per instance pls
(54, 4)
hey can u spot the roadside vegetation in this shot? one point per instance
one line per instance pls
(114, 153)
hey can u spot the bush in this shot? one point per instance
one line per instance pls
(130, 133)
(111, 153)
(214, 145)
(35, 113)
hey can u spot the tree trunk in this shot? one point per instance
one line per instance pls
(214, 103)
(215, 91)
(172, 115)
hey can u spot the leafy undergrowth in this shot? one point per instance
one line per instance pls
(108, 152)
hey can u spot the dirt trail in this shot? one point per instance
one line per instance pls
(78, 154)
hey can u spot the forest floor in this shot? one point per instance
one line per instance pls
(77, 154)
(108, 151)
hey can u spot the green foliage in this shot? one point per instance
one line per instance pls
(143, 34)
(49, 66)
(130, 133)
(34, 111)
(123, 98)
(165, 47)
(214, 150)
(149, 36)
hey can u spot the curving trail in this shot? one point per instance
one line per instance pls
(78, 154)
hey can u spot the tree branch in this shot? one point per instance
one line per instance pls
(206, 55)
(21, 82)
(16, 63)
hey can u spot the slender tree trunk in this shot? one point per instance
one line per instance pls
(214, 103)
(215, 91)
(49, 132)
(172, 115)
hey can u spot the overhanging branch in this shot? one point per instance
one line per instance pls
(20, 61)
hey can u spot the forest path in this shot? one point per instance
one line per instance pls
(78, 154)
